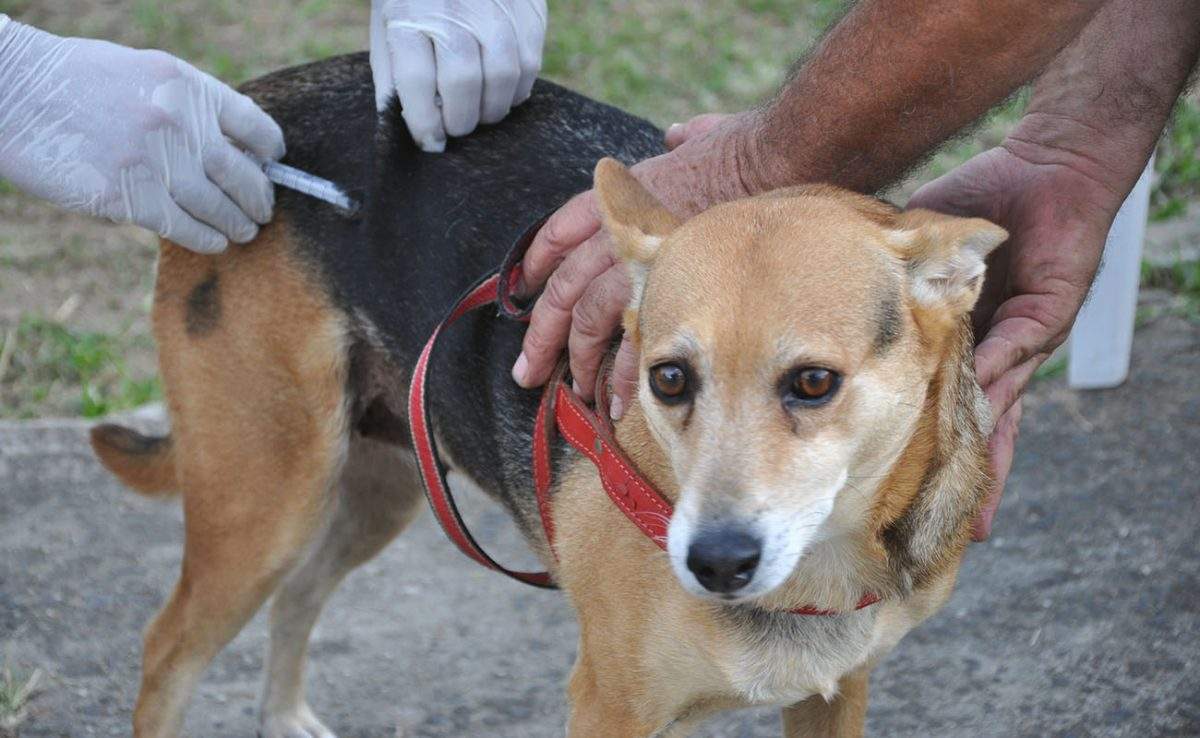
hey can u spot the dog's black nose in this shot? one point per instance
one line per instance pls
(724, 560)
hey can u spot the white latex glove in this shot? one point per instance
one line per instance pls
(133, 136)
(480, 56)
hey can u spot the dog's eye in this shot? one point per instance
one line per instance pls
(669, 382)
(811, 385)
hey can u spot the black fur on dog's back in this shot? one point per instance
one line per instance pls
(430, 225)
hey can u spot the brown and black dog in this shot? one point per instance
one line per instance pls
(806, 401)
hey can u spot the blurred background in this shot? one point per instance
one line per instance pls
(1080, 617)
(74, 292)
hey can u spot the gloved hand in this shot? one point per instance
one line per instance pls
(134, 136)
(480, 56)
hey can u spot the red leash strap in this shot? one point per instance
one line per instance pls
(433, 476)
(640, 502)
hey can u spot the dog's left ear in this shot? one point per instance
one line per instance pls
(637, 221)
(945, 257)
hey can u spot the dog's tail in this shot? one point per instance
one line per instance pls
(144, 463)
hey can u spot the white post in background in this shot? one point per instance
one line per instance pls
(1102, 338)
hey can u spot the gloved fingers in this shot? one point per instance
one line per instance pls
(501, 74)
(381, 60)
(415, 76)
(159, 212)
(205, 202)
(459, 80)
(530, 17)
(242, 179)
(246, 123)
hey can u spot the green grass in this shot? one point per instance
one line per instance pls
(47, 358)
(1178, 164)
(671, 61)
(1181, 278)
(1056, 366)
(16, 689)
(14, 7)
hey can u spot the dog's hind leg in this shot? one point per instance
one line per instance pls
(843, 717)
(380, 494)
(254, 366)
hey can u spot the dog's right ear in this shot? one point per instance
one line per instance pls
(637, 221)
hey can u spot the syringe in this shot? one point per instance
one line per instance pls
(309, 184)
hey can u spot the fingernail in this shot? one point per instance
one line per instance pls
(673, 127)
(520, 369)
(433, 145)
(575, 388)
(616, 408)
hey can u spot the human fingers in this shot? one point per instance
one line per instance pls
(245, 123)
(570, 226)
(459, 81)
(550, 321)
(207, 203)
(501, 64)
(415, 75)
(679, 133)
(529, 19)
(157, 210)
(1001, 446)
(594, 322)
(1006, 390)
(623, 378)
(241, 179)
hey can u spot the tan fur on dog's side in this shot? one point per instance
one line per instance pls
(144, 464)
(253, 362)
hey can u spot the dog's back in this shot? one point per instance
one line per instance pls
(429, 226)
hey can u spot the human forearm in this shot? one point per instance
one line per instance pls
(895, 79)
(1055, 184)
(1101, 106)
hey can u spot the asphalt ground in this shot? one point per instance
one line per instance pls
(1081, 617)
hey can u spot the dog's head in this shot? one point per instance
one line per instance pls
(787, 345)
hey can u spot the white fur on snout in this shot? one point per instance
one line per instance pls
(680, 533)
(786, 536)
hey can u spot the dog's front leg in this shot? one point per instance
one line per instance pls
(602, 707)
(843, 717)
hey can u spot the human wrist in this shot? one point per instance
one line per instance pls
(766, 158)
(1100, 165)
(752, 157)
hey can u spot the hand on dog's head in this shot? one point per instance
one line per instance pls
(787, 345)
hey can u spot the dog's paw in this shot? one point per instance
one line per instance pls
(299, 723)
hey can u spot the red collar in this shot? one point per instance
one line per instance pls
(579, 425)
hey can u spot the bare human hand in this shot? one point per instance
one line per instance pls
(1056, 183)
(586, 289)
(860, 111)
(1035, 284)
